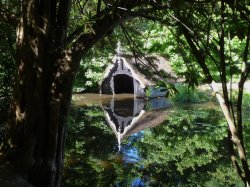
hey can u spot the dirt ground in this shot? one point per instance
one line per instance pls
(234, 87)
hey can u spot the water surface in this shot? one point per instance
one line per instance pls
(122, 141)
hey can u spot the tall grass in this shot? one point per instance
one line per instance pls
(189, 95)
(246, 100)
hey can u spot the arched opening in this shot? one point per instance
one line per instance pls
(123, 84)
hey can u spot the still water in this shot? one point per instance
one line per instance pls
(124, 141)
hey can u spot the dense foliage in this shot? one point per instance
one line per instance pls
(92, 67)
(7, 68)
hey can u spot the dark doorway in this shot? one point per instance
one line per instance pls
(123, 84)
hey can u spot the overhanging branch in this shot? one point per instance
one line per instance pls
(125, 8)
(130, 40)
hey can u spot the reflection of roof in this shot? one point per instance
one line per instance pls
(127, 116)
(120, 133)
(142, 121)
(147, 120)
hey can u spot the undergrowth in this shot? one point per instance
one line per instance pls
(189, 95)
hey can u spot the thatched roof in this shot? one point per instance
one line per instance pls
(152, 68)
(148, 69)
(129, 74)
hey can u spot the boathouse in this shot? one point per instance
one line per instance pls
(136, 75)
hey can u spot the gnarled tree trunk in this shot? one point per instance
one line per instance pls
(34, 144)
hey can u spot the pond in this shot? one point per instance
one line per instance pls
(124, 141)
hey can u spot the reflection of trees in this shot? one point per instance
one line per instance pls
(91, 148)
(83, 141)
(189, 149)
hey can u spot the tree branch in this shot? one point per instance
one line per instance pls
(222, 54)
(62, 21)
(130, 40)
(99, 3)
(233, 156)
(124, 8)
(236, 5)
(99, 30)
(106, 22)
(198, 55)
(233, 130)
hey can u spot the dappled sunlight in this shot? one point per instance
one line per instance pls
(21, 67)
(34, 47)
(20, 33)
(10, 143)
(20, 116)
(39, 72)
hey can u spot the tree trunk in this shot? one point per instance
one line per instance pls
(243, 171)
(34, 144)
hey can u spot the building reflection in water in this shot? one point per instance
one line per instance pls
(129, 116)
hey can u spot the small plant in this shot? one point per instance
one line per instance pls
(167, 87)
(148, 92)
